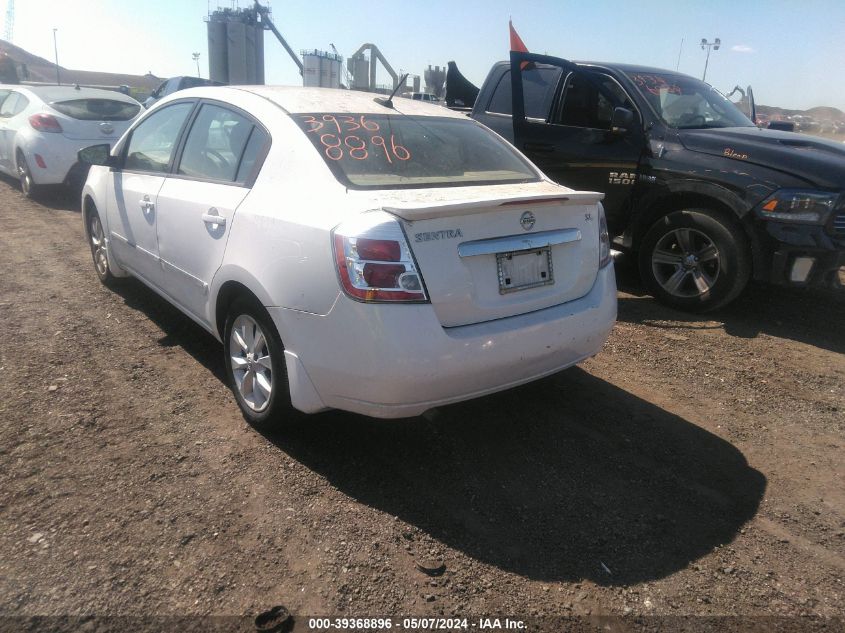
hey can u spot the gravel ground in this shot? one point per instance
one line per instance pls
(693, 468)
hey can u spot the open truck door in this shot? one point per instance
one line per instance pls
(752, 105)
(579, 126)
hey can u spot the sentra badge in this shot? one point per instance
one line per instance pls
(447, 234)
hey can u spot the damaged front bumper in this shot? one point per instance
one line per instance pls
(805, 255)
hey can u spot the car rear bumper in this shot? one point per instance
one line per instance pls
(393, 361)
(58, 160)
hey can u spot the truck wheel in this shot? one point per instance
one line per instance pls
(255, 365)
(695, 260)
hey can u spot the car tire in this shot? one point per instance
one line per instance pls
(255, 365)
(28, 186)
(97, 243)
(695, 260)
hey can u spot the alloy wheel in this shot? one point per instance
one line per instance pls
(98, 245)
(252, 367)
(686, 263)
(25, 176)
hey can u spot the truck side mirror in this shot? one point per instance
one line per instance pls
(622, 121)
(784, 126)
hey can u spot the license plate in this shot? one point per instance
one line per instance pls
(521, 270)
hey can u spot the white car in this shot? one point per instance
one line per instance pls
(43, 127)
(378, 258)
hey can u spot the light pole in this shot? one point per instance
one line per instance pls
(196, 58)
(708, 45)
(56, 51)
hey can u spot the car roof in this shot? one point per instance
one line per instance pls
(633, 68)
(298, 100)
(51, 94)
(625, 68)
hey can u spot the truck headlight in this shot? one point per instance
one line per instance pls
(798, 205)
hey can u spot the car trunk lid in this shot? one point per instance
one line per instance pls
(498, 252)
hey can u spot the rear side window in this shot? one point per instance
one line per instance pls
(254, 147)
(13, 104)
(216, 144)
(97, 109)
(538, 87)
(154, 140)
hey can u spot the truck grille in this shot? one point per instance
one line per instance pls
(839, 224)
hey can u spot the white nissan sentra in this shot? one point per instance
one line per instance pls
(378, 258)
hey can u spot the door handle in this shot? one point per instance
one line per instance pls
(212, 218)
(147, 205)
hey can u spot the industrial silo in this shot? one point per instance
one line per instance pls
(434, 80)
(321, 69)
(359, 67)
(236, 46)
(218, 51)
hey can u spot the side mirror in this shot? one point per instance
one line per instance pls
(784, 126)
(96, 155)
(622, 121)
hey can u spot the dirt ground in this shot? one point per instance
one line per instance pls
(693, 468)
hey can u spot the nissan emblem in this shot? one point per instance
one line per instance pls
(527, 220)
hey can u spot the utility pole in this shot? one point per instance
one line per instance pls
(56, 51)
(196, 58)
(705, 45)
(9, 32)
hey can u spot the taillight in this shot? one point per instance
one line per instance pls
(45, 123)
(604, 239)
(374, 262)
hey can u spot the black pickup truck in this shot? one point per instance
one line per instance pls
(702, 197)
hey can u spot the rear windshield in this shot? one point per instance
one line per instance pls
(393, 151)
(97, 109)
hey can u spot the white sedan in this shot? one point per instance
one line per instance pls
(381, 258)
(43, 127)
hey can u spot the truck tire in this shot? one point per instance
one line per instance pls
(695, 260)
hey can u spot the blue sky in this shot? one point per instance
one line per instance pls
(792, 53)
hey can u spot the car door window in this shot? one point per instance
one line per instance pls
(589, 102)
(3, 95)
(215, 144)
(153, 142)
(538, 87)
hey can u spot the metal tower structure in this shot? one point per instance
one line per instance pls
(9, 31)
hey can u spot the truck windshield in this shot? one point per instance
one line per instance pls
(393, 151)
(687, 103)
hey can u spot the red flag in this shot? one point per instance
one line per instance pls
(516, 42)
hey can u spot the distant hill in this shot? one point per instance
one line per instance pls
(24, 57)
(32, 68)
(819, 113)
